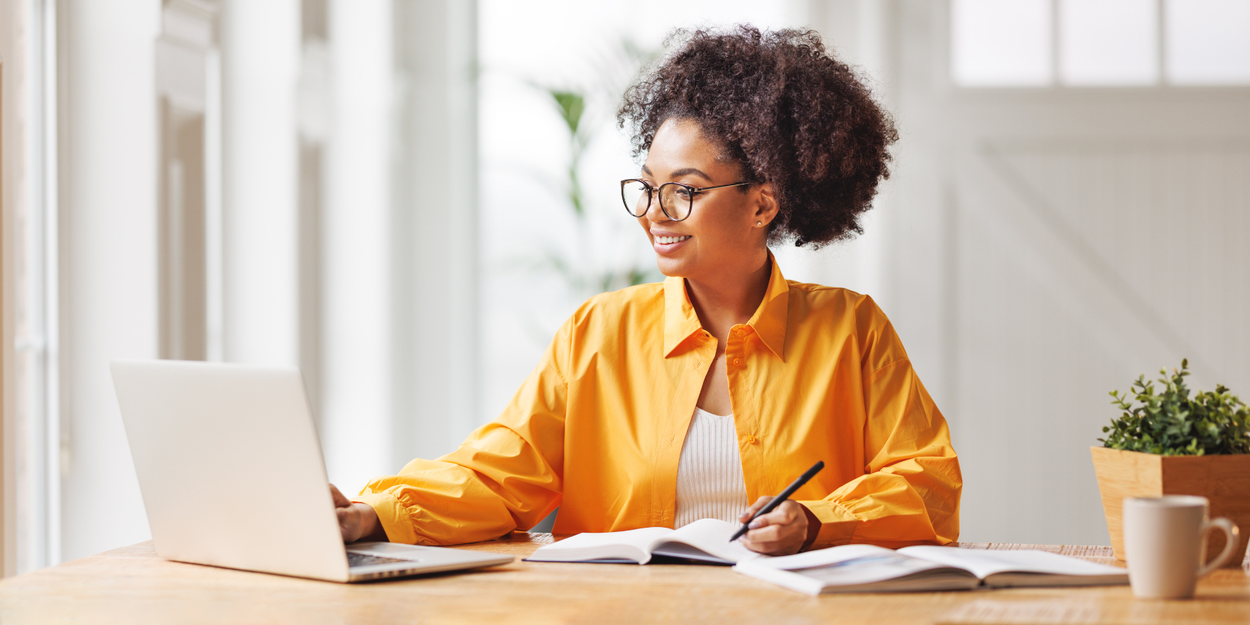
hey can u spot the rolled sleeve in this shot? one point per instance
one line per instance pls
(505, 476)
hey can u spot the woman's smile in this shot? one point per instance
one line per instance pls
(667, 242)
(722, 219)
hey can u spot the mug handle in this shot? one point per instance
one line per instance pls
(1230, 543)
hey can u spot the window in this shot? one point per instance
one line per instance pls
(1099, 43)
(1208, 42)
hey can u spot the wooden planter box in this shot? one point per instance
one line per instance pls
(1224, 480)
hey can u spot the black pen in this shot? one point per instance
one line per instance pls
(785, 494)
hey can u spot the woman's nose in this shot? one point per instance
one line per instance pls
(655, 213)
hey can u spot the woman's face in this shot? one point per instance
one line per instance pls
(720, 238)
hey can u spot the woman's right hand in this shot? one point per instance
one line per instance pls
(357, 521)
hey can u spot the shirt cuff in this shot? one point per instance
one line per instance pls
(837, 524)
(392, 515)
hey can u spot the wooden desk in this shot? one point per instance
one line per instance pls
(133, 585)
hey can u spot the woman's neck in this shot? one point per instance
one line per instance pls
(725, 301)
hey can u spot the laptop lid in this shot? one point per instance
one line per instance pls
(230, 466)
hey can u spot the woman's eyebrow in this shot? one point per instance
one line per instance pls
(685, 171)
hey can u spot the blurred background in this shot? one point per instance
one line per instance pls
(406, 197)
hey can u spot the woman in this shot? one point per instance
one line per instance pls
(663, 403)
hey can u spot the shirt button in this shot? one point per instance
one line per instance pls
(751, 439)
(737, 362)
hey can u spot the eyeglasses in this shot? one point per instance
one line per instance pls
(676, 199)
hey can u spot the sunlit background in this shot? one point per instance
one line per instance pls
(405, 198)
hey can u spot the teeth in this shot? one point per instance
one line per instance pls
(666, 240)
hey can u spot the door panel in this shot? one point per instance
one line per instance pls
(1079, 268)
(1050, 245)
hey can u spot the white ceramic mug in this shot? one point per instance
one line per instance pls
(1165, 540)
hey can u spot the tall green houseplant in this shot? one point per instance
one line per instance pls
(580, 273)
(594, 264)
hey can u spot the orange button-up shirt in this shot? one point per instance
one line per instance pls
(817, 373)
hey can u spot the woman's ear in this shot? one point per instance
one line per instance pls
(766, 206)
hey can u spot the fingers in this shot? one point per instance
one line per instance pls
(781, 517)
(339, 500)
(783, 514)
(755, 507)
(347, 525)
(781, 531)
(774, 541)
(349, 518)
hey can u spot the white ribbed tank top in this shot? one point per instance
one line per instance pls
(710, 484)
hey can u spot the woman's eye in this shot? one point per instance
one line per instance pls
(684, 193)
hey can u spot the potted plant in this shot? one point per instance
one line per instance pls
(1168, 443)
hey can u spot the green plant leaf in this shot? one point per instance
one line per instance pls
(572, 104)
(1172, 423)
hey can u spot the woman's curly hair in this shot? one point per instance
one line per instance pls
(780, 105)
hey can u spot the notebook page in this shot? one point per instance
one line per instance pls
(710, 536)
(630, 544)
(986, 562)
(825, 557)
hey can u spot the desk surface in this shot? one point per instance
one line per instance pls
(133, 585)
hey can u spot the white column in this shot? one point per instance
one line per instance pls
(260, 280)
(435, 227)
(17, 130)
(356, 350)
(109, 247)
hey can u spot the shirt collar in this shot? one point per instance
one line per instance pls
(769, 320)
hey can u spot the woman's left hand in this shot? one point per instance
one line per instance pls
(781, 532)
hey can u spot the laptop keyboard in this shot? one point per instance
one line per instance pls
(364, 559)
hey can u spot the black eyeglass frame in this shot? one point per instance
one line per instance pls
(657, 193)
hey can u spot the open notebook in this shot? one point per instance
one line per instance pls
(706, 540)
(865, 568)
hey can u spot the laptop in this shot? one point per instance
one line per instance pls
(231, 473)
